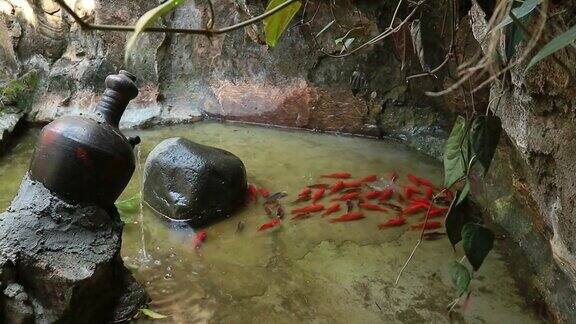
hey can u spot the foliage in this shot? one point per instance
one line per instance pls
(276, 24)
(17, 92)
(484, 135)
(464, 192)
(147, 20)
(455, 221)
(152, 314)
(477, 242)
(556, 44)
(470, 142)
(460, 277)
(455, 153)
(519, 12)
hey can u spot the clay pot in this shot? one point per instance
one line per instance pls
(88, 160)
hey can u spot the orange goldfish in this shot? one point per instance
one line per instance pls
(413, 209)
(410, 191)
(353, 184)
(305, 192)
(199, 239)
(428, 225)
(252, 193)
(392, 222)
(348, 196)
(337, 187)
(420, 201)
(386, 194)
(264, 192)
(373, 194)
(331, 209)
(429, 193)
(269, 224)
(318, 195)
(352, 216)
(413, 179)
(337, 175)
(426, 182)
(304, 195)
(368, 206)
(308, 209)
(436, 212)
(369, 178)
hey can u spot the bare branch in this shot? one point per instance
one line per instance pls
(386, 33)
(210, 24)
(207, 32)
(450, 52)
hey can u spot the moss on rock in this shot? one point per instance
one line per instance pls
(18, 92)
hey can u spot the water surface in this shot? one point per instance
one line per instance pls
(304, 271)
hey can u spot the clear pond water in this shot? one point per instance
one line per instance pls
(303, 271)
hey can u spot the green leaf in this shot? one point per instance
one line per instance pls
(460, 277)
(527, 7)
(276, 24)
(464, 193)
(349, 42)
(558, 43)
(477, 242)
(130, 205)
(455, 152)
(456, 217)
(152, 314)
(484, 136)
(149, 18)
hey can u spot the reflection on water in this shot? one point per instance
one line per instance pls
(13, 164)
(303, 271)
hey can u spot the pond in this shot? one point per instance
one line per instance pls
(308, 270)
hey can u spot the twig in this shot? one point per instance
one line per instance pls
(434, 198)
(395, 14)
(387, 32)
(421, 238)
(212, 19)
(207, 32)
(449, 54)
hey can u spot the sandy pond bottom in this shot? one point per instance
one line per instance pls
(303, 271)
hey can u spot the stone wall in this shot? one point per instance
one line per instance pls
(532, 191)
(184, 78)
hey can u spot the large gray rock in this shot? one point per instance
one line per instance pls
(61, 262)
(188, 181)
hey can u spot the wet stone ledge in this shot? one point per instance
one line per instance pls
(61, 262)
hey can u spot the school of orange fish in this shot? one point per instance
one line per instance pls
(350, 199)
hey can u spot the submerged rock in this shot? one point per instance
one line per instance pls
(191, 182)
(61, 262)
